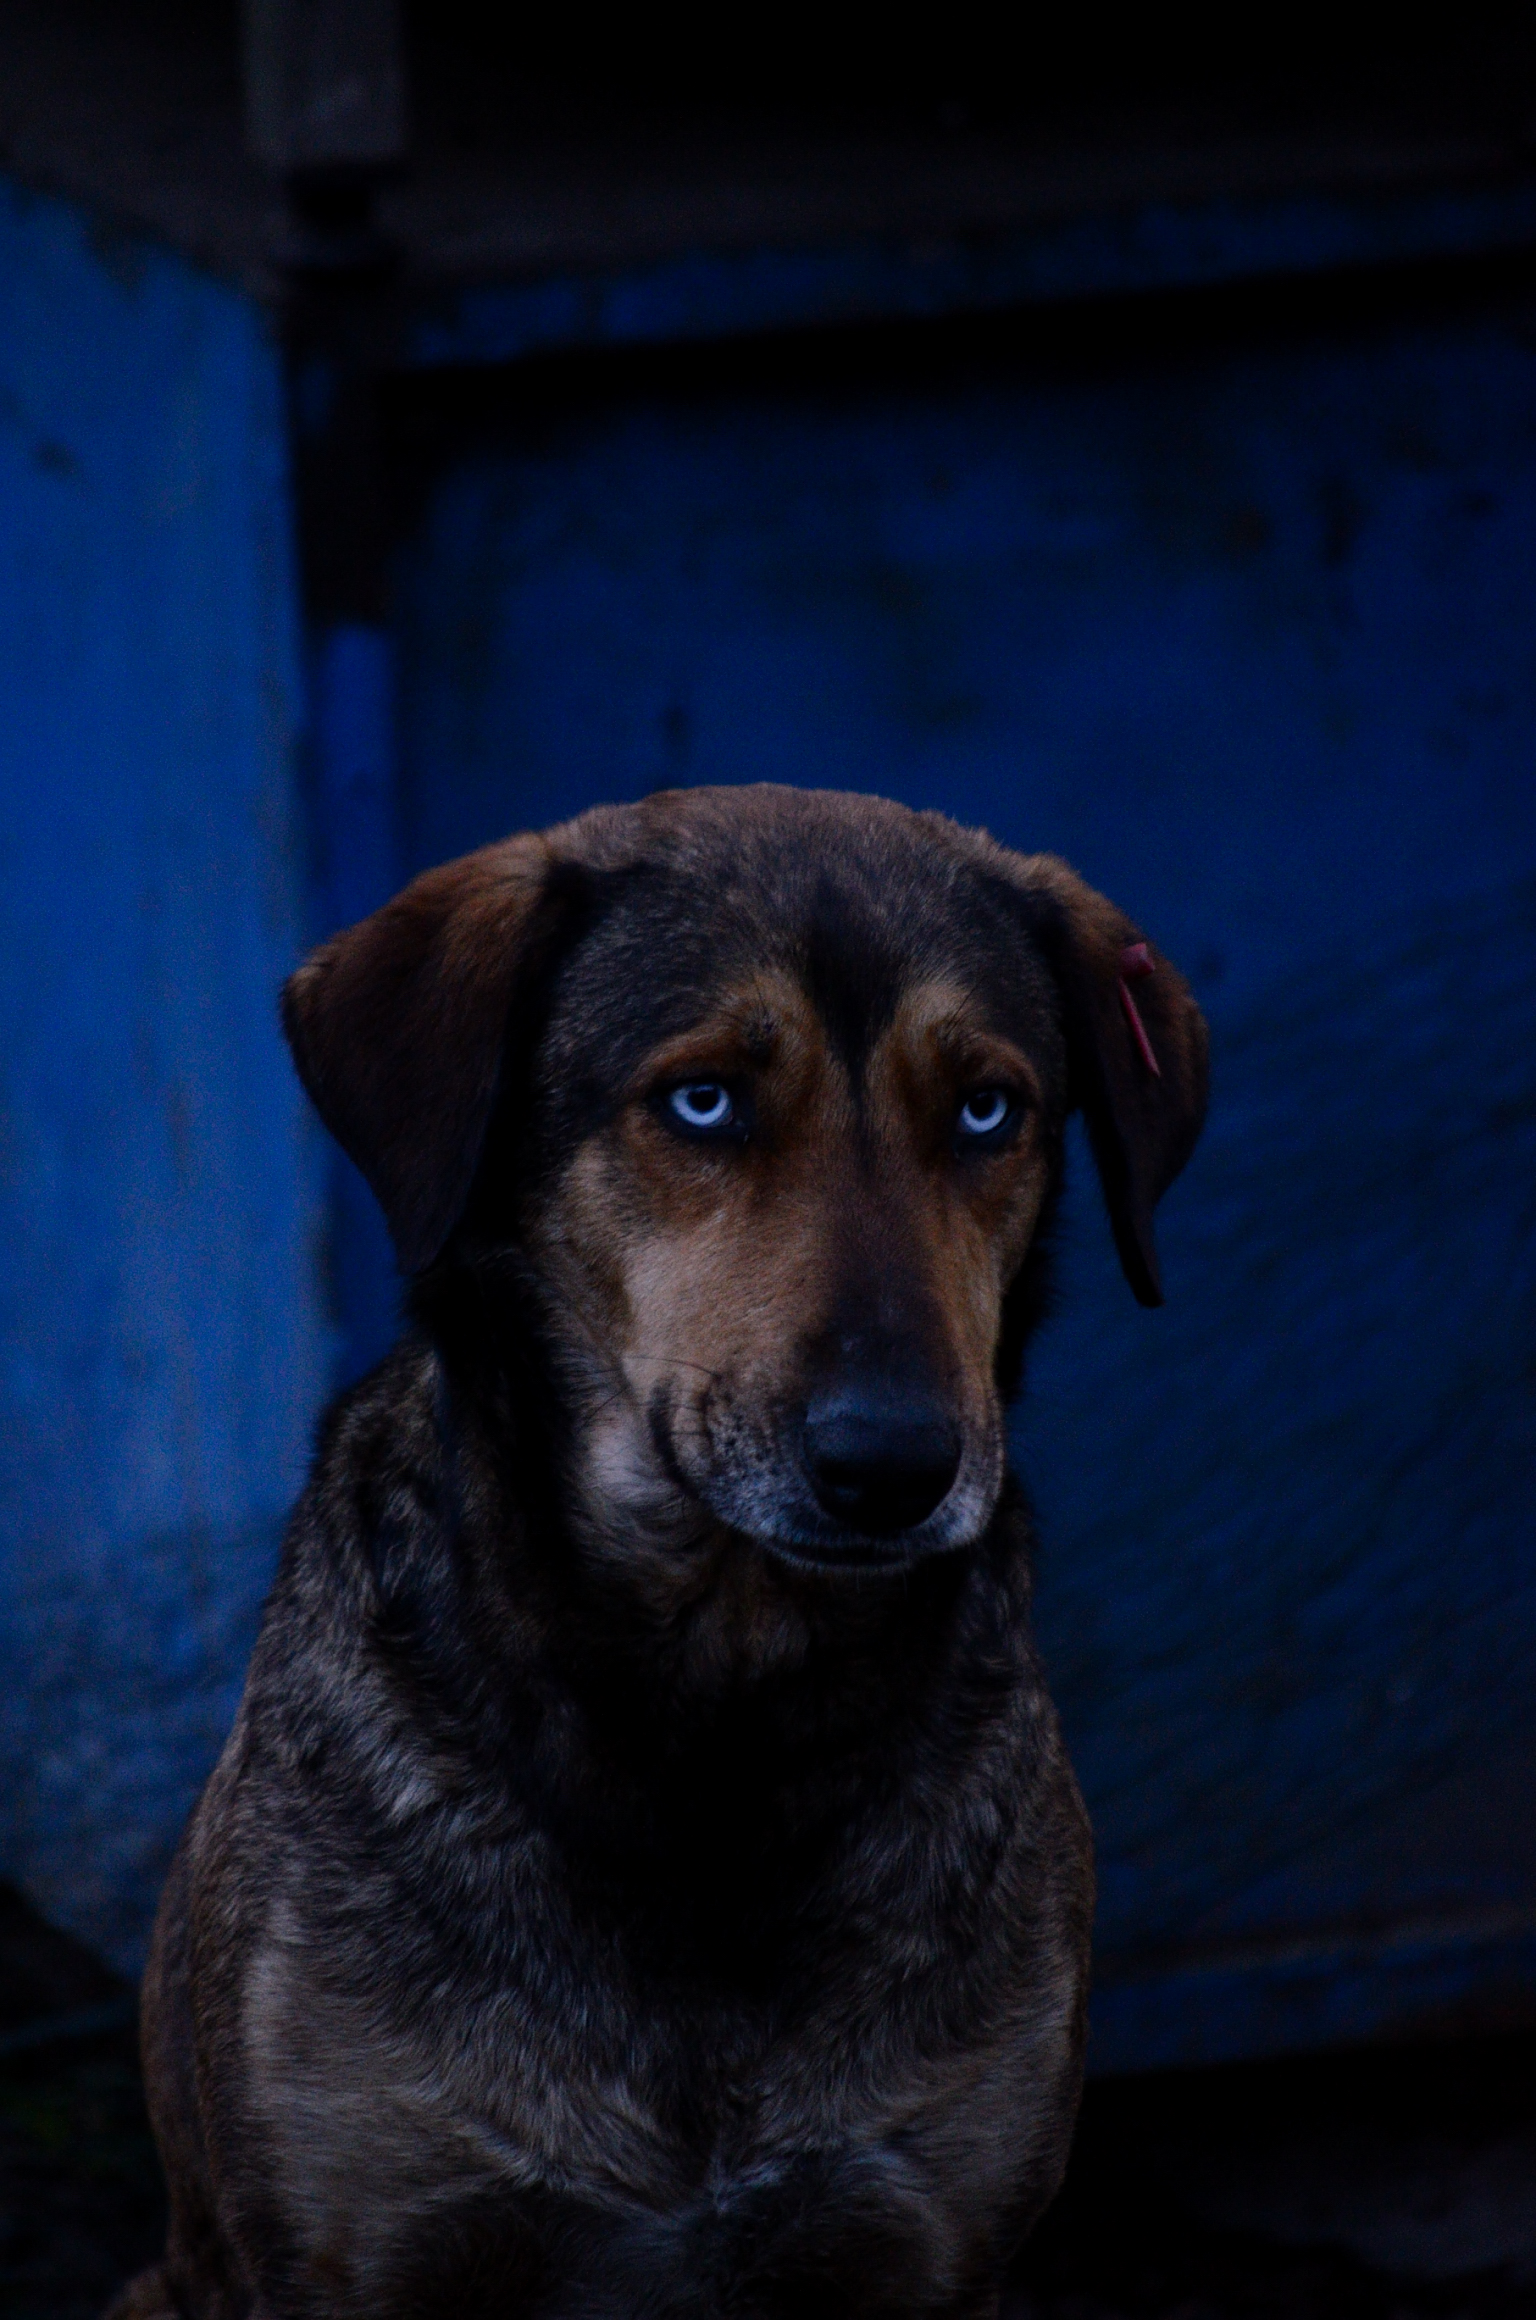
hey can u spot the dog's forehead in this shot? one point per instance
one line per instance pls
(857, 912)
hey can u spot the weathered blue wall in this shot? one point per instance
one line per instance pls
(163, 1341)
(1242, 625)
(1244, 628)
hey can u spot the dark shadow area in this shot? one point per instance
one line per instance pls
(1393, 2183)
(81, 2205)
(1390, 2184)
(597, 135)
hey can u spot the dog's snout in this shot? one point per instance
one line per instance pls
(880, 1461)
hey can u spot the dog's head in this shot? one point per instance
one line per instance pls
(762, 1091)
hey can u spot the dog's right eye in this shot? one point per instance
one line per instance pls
(704, 1107)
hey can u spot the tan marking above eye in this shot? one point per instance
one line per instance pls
(742, 1034)
(937, 1053)
(767, 1049)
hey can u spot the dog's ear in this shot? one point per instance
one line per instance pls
(397, 1027)
(1137, 1050)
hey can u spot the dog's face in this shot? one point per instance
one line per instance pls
(771, 1134)
(789, 1177)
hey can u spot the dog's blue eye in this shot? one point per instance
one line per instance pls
(703, 1103)
(984, 1112)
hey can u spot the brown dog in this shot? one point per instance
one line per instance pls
(645, 1877)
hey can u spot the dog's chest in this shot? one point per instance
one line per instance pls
(676, 2142)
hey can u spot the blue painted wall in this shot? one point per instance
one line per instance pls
(163, 1334)
(1244, 629)
(1242, 626)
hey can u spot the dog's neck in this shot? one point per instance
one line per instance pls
(691, 1758)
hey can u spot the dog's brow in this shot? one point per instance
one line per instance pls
(958, 1017)
(760, 1036)
(853, 984)
(742, 1026)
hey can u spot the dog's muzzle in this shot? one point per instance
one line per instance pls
(868, 1472)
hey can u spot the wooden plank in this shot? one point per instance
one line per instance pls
(1157, 246)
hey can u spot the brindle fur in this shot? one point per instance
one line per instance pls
(624, 1892)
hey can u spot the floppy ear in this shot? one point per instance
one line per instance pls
(397, 1027)
(1137, 1051)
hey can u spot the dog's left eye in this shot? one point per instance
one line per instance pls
(984, 1112)
(703, 1105)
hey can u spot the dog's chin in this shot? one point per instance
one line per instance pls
(850, 1556)
(794, 1531)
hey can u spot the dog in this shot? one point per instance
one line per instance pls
(645, 1876)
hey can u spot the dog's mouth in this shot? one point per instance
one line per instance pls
(827, 1492)
(833, 1548)
(853, 1556)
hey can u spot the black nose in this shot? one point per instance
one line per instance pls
(879, 1461)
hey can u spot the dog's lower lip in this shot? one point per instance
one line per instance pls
(857, 1555)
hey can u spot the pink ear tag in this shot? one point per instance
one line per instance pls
(1136, 963)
